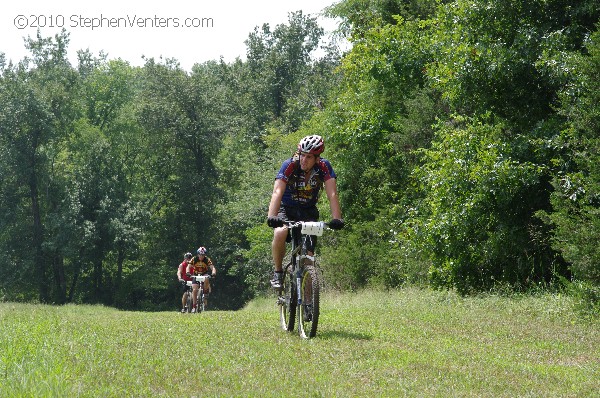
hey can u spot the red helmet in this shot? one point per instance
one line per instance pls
(312, 144)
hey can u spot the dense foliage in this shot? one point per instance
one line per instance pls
(464, 134)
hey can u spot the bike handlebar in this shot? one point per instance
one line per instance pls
(200, 278)
(275, 222)
(314, 228)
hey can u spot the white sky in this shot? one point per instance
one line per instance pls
(131, 34)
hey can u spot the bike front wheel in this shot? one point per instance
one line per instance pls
(200, 302)
(188, 301)
(308, 316)
(287, 301)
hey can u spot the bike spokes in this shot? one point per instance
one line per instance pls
(287, 301)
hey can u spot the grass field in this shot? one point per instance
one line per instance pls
(414, 343)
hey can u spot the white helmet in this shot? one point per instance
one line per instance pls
(201, 250)
(312, 144)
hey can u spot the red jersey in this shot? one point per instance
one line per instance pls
(183, 271)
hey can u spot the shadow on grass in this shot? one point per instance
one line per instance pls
(341, 334)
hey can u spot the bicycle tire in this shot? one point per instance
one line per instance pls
(200, 301)
(287, 300)
(188, 301)
(308, 314)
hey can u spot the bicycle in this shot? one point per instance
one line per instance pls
(301, 282)
(188, 296)
(200, 306)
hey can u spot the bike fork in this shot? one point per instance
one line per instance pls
(299, 286)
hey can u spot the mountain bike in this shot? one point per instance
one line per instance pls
(201, 293)
(188, 296)
(298, 300)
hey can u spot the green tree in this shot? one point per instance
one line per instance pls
(39, 106)
(488, 54)
(576, 201)
(360, 16)
(478, 211)
(481, 59)
(279, 62)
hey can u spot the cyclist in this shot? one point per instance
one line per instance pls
(295, 195)
(183, 274)
(201, 266)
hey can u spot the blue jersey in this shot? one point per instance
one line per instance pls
(303, 190)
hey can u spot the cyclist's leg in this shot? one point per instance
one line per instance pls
(207, 291)
(194, 295)
(278, 246)
(281, 235)
(184, 297)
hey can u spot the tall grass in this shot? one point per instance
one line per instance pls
(410, 343)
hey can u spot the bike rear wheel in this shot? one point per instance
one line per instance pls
(308, 316)
(188, 301)
(287, 301)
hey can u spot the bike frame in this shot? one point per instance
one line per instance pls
(200, 298)
(300, 232)
(189, 291)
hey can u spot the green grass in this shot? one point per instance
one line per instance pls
(410, 342)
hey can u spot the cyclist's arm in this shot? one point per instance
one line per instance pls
(334, 200)
(278, 190)
(211, 266)
(190, 269)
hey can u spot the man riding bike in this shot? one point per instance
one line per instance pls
(202, 265)
(295, 194)
(183, 274)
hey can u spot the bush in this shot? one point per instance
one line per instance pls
(477, 219)
(370, 253)
(586, 296)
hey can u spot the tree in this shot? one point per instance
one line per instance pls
(488, 55)
(412, 69)
(38, 110)
(279, 61)
(576, 201)
(478, 210)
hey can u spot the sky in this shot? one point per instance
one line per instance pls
(187, 30)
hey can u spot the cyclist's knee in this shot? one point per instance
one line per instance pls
(280, 234)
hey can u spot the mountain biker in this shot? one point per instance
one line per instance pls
(295, 195)
(184, 275)
(202, 265)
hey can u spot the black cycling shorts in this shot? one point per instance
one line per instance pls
(291, 213)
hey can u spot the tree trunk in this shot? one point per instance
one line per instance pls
(98, 279)
(75, 276)
(60, 287)
(120, 260)
(38, 237)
